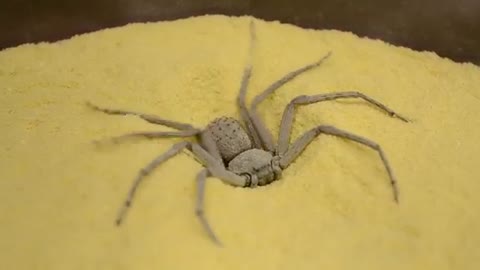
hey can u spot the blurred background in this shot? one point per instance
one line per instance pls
(451, 28)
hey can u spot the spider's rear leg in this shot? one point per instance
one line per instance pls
(301, 143)
(152, 135)
(241, 98)
(184, 130)
(289, 112)
(147, 117)
(262, 130)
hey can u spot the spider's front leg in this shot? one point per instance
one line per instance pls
(173, 151)
(215, 168)
(301, 143)
(199, 205)
(289, 112)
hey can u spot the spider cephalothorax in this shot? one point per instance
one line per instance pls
(246, 156)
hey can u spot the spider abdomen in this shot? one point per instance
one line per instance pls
(229, 136)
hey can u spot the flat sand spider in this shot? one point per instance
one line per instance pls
(245, 155)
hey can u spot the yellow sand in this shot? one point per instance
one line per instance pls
(333, 208)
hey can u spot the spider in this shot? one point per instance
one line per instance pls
(245, 155)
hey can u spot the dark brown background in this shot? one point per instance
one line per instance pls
(449, 27)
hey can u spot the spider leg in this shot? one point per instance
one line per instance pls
(214, 168)
(262, 130)
(241, 98)
(217, 169)
(301, 143)
(208, 143)
(199, 205)
(288, 113)
(174, 150)
(147, 117)
(152, 135)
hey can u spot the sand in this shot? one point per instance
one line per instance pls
(333, 208)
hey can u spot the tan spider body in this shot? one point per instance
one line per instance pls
(235, 147)
(244, 153)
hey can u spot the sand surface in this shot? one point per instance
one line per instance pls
(332, 209)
